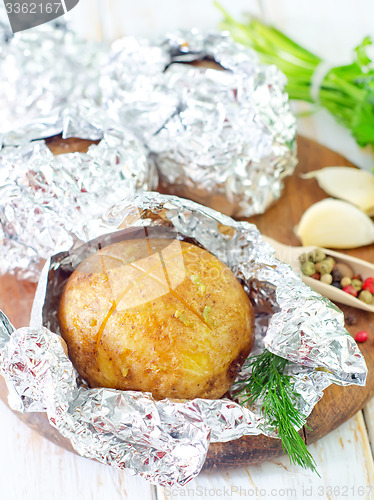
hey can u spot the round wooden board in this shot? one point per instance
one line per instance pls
(338, 403)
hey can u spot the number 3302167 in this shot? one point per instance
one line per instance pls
(33, 8)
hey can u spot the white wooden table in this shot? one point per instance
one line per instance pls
(33, 468)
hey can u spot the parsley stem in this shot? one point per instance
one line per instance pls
(347, 92)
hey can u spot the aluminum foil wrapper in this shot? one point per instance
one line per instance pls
(166, 441)
(48, 201)
(45, 72)
(223, 137)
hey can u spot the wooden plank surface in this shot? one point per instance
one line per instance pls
(343, 459)
(340, 24)
(338, 404)
(32, 467)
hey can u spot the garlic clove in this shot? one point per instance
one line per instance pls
(335, 224)
(347, 183)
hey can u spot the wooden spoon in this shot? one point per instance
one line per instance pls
(290, 255)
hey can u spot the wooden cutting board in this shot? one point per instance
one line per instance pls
(338, 403)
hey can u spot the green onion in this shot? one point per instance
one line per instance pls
(347, 92)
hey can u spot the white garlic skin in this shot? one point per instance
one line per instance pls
(347, 183)
(334, 223)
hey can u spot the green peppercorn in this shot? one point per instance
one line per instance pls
(330, 259)
(326, 278)
(357, 284)
(308, 268)
(366, 296)
(345, 281)
(311, 256)
(307, 257)
(324, 267)
(303, 258)
(318, 255)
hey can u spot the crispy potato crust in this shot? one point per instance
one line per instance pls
(159, 316)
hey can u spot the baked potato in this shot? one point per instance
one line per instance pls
(156, 315)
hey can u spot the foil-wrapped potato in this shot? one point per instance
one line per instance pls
(157, 315)
(59, 146)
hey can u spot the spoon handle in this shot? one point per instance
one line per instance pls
(290, 255)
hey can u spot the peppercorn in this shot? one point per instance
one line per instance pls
(361, 336)
(336, 284)
(369, 285)
(311, 256)
(324, 267)
(306, 257)
(326, 278)
(303, 258)
(331, 259)
(344, 270)
(345, 281)
(336, 274)
(308, 268)
(351, 290)
(316, 276)
(357, 284)
(319, 255)
(366, 296)
(341, 270)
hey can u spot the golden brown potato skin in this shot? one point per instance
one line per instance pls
(159, 316)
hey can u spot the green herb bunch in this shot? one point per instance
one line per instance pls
(346, 91)
(269, 385)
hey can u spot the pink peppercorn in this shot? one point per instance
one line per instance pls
(368, 285)
(361, 336)
(351, 290)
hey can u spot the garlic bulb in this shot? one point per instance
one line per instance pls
(347, 183)
(335, 224)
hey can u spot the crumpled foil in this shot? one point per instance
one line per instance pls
(45, 72)
(166, 441)
(47, 201)
(224, 138)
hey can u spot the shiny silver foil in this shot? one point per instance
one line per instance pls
(47, 201)
(223, 137)
(44, 71)
(166, 441)
(132, 85)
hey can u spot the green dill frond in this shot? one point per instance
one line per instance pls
(269, 385)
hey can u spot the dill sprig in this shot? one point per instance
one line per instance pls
(269, 385)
